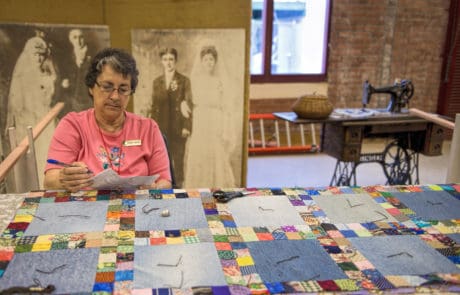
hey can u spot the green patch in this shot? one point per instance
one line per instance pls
(23, 248)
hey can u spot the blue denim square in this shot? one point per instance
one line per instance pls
(183, 214)
(68, 217)
(431, 205)
(175, 266)
(352, 208)
(300, 260)
(69, 270)
(265, 211)
(403, 255)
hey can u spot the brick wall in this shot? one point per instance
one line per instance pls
(379, 41)
(260, 106)
(383, 40)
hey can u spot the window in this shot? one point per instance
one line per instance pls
(295, 32)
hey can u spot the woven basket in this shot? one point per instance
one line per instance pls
(312, 106)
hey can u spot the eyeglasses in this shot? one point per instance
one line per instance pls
(108, 88)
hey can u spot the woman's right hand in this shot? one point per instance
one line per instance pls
(75, 177)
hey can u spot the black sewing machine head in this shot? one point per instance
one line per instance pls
(400, 93)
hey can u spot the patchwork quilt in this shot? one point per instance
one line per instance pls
(398, 239)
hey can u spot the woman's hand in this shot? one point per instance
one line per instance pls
(160, 184)
(73, 178)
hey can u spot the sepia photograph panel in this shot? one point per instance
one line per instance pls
(192, 84)
(43, 64)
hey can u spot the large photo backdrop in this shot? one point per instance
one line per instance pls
(192, 83)
(42, 64)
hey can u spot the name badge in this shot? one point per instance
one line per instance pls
(132, 142)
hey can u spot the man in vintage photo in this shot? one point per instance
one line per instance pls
(72, 69)
(172, 109)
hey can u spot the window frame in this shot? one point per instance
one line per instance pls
(267, 76)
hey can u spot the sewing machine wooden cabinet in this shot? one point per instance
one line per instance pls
(342, 138)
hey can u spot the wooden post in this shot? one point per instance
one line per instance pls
(453, 170)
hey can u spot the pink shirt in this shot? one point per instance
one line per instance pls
(78, 138)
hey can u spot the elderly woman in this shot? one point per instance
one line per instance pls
(107, 136)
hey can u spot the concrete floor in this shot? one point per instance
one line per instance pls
(316, 169)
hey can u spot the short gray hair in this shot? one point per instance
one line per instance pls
(119, 60)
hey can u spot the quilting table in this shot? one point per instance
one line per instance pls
(277, 240)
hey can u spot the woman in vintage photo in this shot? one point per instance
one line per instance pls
(32, 85)
(30, 94)
(208, 154)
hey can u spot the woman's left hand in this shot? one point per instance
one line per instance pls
(160, 184)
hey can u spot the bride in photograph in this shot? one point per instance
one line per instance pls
(32, 85)
(210, 145)
(31, 90)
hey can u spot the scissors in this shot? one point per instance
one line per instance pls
(224, 197)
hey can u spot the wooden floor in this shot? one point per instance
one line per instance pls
(316, 169)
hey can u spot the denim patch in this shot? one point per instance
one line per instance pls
(264, 211)
(177, 266)
(352, 208)
(431, 205)
(70, 270)
(299, 260)
(183, 214)
(68, 217)
(403, 255)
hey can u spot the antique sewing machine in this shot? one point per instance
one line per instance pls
(406, 136)
(400, 94)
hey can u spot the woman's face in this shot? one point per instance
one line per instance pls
(169, 62)
(209, 62)
(110, 105)
(38, 58)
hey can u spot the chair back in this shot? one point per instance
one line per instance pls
(171, 162)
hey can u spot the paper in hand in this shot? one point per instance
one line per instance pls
(109, 179)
